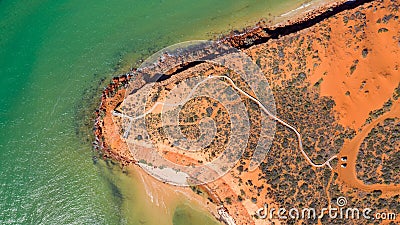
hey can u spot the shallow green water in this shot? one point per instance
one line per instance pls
(184, 214)
(50, 53)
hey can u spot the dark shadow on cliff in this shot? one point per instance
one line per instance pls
(296, 27)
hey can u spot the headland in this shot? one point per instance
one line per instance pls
(335, 73)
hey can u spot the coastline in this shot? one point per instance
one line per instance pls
(258, 34)
(300, 19)
(112, 95)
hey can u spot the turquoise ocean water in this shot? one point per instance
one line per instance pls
(52, 56)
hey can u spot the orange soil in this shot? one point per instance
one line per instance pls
(379, 69)
(352, 110)
(116, 147)
(350, 149)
